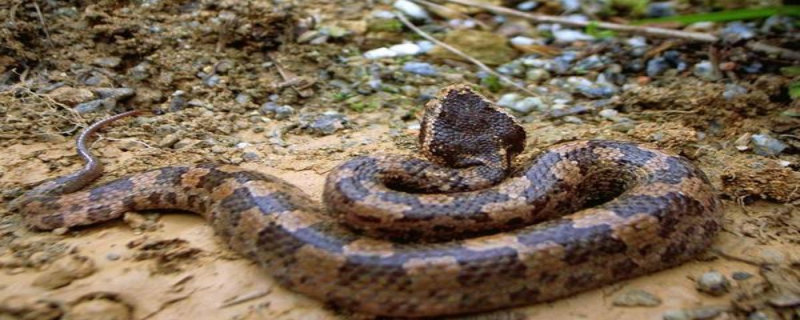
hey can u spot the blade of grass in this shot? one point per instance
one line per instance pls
(728, 15)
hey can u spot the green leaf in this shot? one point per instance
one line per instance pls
(593, 30)
(493, 83)
(792, 71)
(794, 89)
(728, 15)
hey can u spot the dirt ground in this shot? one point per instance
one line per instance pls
(164, 265)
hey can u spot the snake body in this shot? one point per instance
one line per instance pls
(401, 236)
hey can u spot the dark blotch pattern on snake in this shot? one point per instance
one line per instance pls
(489, 236)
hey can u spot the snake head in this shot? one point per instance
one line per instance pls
(461, 128)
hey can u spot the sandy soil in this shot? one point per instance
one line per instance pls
(170, 265)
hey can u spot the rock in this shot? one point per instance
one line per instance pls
(656, 66)
(528, 104)
(212, 80)
(70, 96)
(737, 31)
(95, 106)
(380, 53)
(570, 5)
(713, 283)
(637, 42)
(765, 145)
(140, 71)
(636, 298)
(513, 68)
(107, 62)
(488, 47)
(411, 9)
(676, 315)
(509, 99)
(785, 300)
(593, 62)
(608, 113)
(705, 70)
(114, 93)
(569, 36)
(406, 49)
(251, 156)
(660, 9)
(527, 5)
(420, 68)
(759, 315)
(278, 112)
(65, 270)
(169, 140)
(733, 90)
(537, 75)
(741, 275)
(325, 124)
(98, 309)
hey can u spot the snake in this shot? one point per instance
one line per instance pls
(465, 230)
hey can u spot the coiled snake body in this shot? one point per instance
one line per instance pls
(401, 236)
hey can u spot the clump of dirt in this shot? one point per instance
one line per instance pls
(757, 178)
(701, 104)
(169, 255)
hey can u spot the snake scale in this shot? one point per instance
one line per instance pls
(461, 232)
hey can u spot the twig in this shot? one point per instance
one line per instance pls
(539, 18)
(770, 49)
(461, 54)
(41, 20)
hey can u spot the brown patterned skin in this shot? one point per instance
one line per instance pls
(523, 240)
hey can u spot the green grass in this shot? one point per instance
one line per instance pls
(728, 15)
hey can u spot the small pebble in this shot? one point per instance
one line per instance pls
(278, 112)
(70, 96)
(513, 68)
(528, 104)
(112, 256)
(759, 315)
(114, 93)
(608, 113)
(568, 36)
(140, 71)
(660, 9)
(380, 53)
(705, 70)
(107, 62)
(637, 298)
(250, 156)
(212, 80)
(765, 145)
(95, 106)
(508, 100)
(570, 5)
(243, 98)
(527, 5)
(741, 275)
(420, 68)
(657, 66)
(326, 124)
(713, 283)
(737, 31)
(412, 9)
(785, 300)
(406, 49)
(537, 75)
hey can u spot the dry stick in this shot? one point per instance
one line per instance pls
(538, 18)
(461, 54)
(41, 20)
